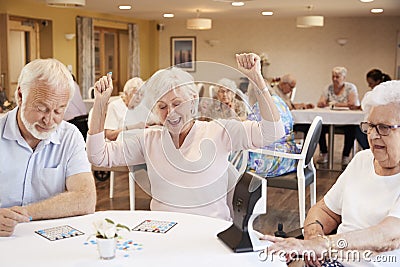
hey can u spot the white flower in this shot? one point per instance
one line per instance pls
(107, 228)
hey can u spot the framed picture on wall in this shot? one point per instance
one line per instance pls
(183, 52)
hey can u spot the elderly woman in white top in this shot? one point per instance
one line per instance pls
(117, 109)
(364, 203)
(339, 94)
(186, 159)
(226, 105)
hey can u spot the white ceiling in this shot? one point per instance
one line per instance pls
(153, 9)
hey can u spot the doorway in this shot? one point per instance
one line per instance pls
(23, 39)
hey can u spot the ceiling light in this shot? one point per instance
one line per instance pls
(198, 23)
(377, 10)
(66, 3)
(125, 7)
(237, 4)
(168, 15)
(310, 21)
(342, 41)
(267, 13)
(366, 1)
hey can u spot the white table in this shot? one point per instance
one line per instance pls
(192, 242)
(329, 117)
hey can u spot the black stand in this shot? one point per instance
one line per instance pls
(249, 201)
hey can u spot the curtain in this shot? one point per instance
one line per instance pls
(86, 63)
(134, 51)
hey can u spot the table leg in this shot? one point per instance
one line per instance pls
(331, 146)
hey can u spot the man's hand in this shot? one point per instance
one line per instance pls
(10, 217)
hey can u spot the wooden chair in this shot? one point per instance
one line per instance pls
(305, 174)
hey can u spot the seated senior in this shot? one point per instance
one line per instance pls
(364, 203)
(187, 159)
(266, 165)
(118, 109)
(226, 105)
(44, 172)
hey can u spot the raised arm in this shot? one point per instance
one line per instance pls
(250, 65)
(102, 92)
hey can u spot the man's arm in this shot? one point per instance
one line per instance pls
(78, 199)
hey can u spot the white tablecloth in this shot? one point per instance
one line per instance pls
(192, 242)
(329, 116)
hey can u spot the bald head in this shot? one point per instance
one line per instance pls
(287, 83)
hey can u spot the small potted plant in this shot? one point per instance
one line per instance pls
(106, 237)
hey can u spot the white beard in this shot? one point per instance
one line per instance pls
(32, 129)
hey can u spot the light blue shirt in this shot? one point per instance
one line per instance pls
(28, 176)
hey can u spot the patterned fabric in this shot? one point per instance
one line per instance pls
(331, 264)
(219, 110)
(349, 88)
(269, 166)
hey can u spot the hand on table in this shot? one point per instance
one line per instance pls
(292, 248)
(10, 217)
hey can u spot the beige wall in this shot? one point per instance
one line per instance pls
(64, 22)
(309, 54)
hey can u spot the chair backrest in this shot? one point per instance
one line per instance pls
(91, 93)
(212, 91)
(312, 138)
(200, 88)
(293, 94)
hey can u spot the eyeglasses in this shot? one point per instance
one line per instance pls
(222, 91)
(381, 129)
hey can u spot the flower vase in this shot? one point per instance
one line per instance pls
(106, 248)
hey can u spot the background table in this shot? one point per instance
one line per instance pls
(330, 117)
(192, 242)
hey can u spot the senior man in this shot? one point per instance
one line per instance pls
(44, 171)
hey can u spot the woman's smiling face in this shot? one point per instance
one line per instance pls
(175, 110)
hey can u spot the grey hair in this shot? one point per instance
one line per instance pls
(50, 71)
(134, 83)
(288, 78)
(165, 80)
(228, 83)
(341, 70)
(383, 94)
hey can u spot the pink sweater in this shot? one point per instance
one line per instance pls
(191, 179)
